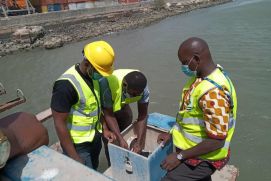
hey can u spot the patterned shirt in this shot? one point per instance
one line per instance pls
(215, 106)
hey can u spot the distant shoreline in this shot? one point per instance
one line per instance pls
(83, 26)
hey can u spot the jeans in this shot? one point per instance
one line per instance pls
(89, 151)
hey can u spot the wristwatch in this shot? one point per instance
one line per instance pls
(180, 156)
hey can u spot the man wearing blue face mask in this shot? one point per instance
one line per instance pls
(186, 70)
(206, 119)
(76, 105)
(123, 87)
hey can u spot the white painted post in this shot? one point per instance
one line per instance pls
(27, 7)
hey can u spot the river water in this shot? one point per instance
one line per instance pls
(239, 35)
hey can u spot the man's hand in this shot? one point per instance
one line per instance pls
(170, 162)
(109, 135)
(164, 138)
(137, 147)
(123, 143)
(79, 159)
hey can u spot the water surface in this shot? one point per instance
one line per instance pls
(239, 35)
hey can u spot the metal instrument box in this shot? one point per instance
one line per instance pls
(127, 165)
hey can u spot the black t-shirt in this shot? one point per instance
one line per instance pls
(64, 95)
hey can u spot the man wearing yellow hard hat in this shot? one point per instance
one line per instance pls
(76, 106)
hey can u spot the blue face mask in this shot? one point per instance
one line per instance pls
(93, 74)
(96, 76)
(187, 71)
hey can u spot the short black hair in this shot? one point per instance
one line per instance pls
(136, 81)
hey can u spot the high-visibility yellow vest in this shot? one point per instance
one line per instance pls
(115, 84)
(85, 114)
(189, 129)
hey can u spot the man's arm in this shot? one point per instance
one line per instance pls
(202, 148)
(141, 126)
(107, 105)
(206, 146)
(113, 126)
(110, 136)
(216, 130)
(64, 96)
(64, 136)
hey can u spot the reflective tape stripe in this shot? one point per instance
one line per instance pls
(195, 138)
(193, 121)
(200, 122)
(79, 128)
(231, 123)
(77, 113)
(187, 135)
(78, 87)
(226, 145)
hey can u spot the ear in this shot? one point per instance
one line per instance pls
(124, 83)
(87, 64)
(197, 57)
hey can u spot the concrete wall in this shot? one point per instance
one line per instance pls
(50, 17)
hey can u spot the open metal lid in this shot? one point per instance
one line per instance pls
(161, 121)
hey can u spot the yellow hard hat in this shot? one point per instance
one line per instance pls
(101, 55)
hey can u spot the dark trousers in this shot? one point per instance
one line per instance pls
(89, 151)
(124, 118)
(185, 172)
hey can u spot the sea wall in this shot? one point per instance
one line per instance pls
(70, 26)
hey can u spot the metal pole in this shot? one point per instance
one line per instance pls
(27, 6)
(7, 7)
(32, 8)
(2, 88)
(3, 6)
(4, 11)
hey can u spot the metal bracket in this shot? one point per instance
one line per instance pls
(20, 94)
(128, 165)
(2, 89)
(10, 104)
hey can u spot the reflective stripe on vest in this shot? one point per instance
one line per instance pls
(80, 128)
(190, 128)
(200, 122)
(84, 115)
(196, 139)
(78, 87)
(79, 113)
(191, 120)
